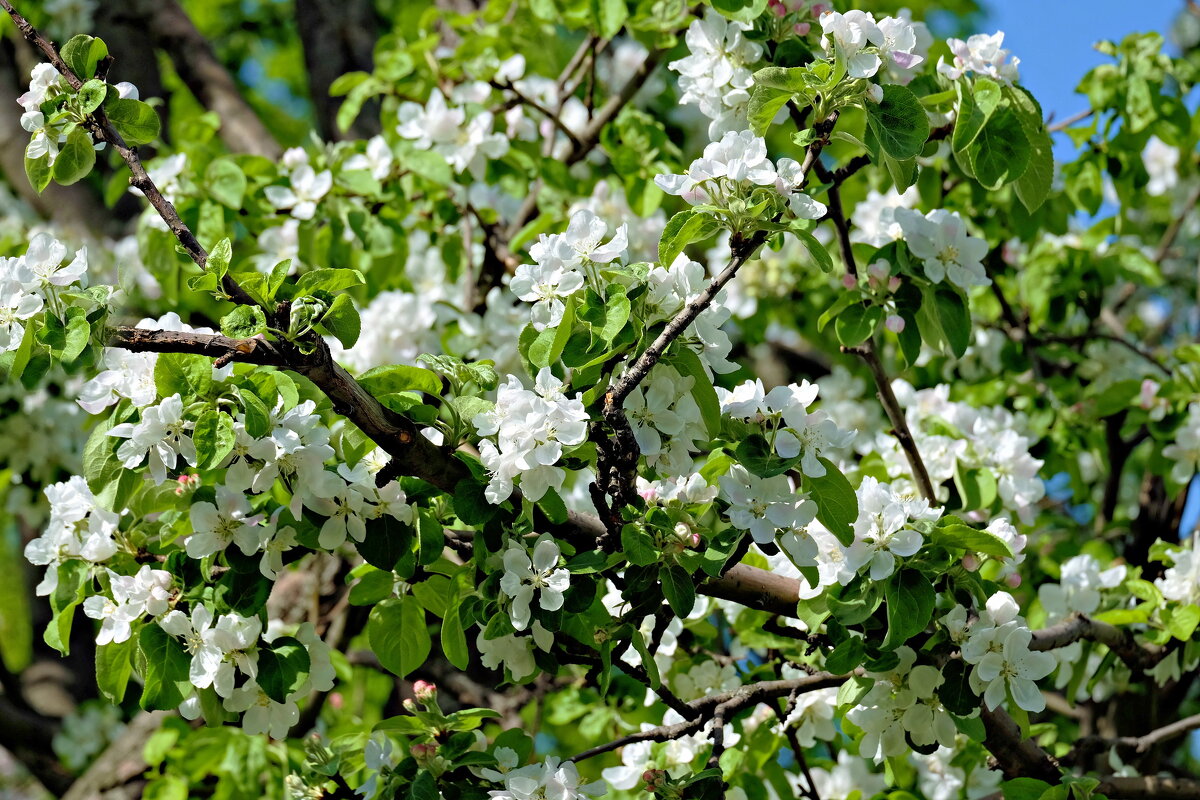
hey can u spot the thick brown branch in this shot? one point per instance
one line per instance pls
(1137, 657)
(1149, 787)
(1016, 756)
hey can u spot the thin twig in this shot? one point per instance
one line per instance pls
(732, 701)
(1069, 121)
(102, 130)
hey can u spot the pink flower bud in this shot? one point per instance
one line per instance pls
(1148, 394)
(820, 8)
(802, 28)
(777, 8)
(893, 283)
(1013, 580)
(409, 704)
(336, 700)
(424, 752)
(970, 562)
(424, 691)
(849, 281)
(894, 323)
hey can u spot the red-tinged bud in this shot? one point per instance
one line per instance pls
(970, 562)
(424, 752)
(424, 691)
(894, 323)
(1013, 580)
(849, 281)
(802, 28)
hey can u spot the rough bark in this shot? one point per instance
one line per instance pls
(338, 37)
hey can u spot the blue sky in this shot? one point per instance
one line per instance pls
(1054, 38)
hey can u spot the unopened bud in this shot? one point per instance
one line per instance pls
(802, 28)
(1013, 580)
(820, 8)
(893, 283)
(424, 691)
(878, 271)
(424, 752)
(654, 779)
(410, 704)
(970, 562)
(875, 93)
(849, 281)
(894, 323)
(777, 8)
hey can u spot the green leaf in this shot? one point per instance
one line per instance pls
(857, 323)
(1035, 183)
(91, 95)
(955, 690)
(899, 122)
(283, 669)
(37, 170)
(1182, 621)
(225, 182)
(75, 159)
(1024, 789)
(964, 537)
(400, 378)
(165, 666)
(764, 105)
(910, 598)
(398, 635)
(1001, 152)
(78, 334)
(16, 616)
(976, 104)
(74, 577)
(815, 249)
(219, 258)
(214, 438)
(954, 317)
(244, 322)
(454, 637)
(837, 505)
(684, 228)
(330, 280)
(846, 656)
(342, 320)
(424, 787)
(189, 376)
(82, 53)
(703, 390)
(678, 588)
(114, 665)
(137, 122)
(638, 546)
(608, 16)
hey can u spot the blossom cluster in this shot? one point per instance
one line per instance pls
(531, 430)
(560, 263)
(444, 129)
(716, 74)
(866, 45)
(729, 170)
(30, 282)
(903, 704)
(996, 645)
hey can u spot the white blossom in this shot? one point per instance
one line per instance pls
(161, 436)
(525, 576)
(983, 55)
(940, 240)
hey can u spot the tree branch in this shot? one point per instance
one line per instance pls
(103, 131)
(729, 703)
(1137, 657)
(895, 413)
